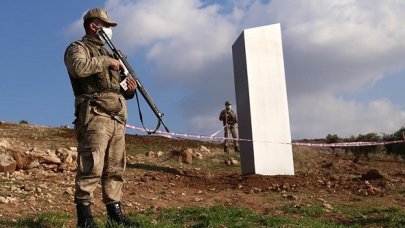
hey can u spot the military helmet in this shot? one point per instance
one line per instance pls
(227, 103)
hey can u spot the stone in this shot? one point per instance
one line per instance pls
(205, 149)
(372, 174)
(69, 191)
(159, 154)
(150, 154)
(327, 206)
(292, 197)
(32, 164)
(19, 158)
(187, 156)
(28, 187)
(4, 143)
(234, 161)
(4, 200)
(7, 163)
(198, 156)
(45, 157)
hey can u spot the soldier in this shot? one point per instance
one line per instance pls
(229, 120)
(101, 114)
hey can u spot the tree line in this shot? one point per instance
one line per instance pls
(395, 149)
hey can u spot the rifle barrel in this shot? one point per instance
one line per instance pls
(118, 54)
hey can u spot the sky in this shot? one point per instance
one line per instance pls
(344, 60)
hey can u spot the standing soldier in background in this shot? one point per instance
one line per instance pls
(101, 114)
(229, 120)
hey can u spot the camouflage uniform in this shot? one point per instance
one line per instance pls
(101, 113)
(229, 120)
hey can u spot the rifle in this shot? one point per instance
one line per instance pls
(129, 72)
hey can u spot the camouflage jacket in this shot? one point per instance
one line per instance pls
(87, 63)
(228, 117)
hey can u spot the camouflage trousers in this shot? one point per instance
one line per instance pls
(101, 157)
(231, 131)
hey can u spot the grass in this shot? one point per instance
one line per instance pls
(134, 150)
(43, 220)
(399, 191)
(218, 216)
(313, 211)
(375, 216)
(222, 216)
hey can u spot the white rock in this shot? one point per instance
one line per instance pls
(4, 143)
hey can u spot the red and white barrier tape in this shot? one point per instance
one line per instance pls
(220, 138)
(184, 135)
(347, 144)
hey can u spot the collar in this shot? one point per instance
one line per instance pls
(93, 40)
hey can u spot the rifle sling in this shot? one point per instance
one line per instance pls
(141, 118)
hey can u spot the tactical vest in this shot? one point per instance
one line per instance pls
(107, 80)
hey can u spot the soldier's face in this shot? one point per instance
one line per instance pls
(228, 107)
(97, 24)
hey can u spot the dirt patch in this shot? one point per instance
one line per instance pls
(321, 177)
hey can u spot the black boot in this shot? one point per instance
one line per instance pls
(115, 215)
(84, 216)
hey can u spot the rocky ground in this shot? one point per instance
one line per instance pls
(38, 168)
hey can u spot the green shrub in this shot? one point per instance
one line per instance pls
(397, 149)
(23, 122)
